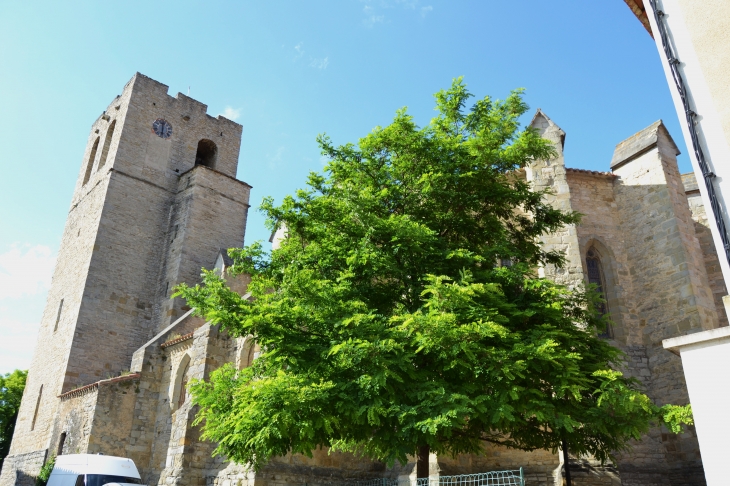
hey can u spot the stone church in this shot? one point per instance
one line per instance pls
(157, 199)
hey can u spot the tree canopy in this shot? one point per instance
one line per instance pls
(404, 309)
(11, 392)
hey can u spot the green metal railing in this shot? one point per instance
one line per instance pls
(492, 478)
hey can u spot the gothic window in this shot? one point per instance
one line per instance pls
(179, 383)
(245, 353)
(183, 386)
(90, 162)
(37, 406)
(206, 154)
(595, 277)
(107, 143)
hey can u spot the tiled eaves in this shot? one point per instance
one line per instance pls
(591, 172)
(637, 7)
(83, 390)
(177, 340)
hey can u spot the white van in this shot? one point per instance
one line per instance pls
(93, 470)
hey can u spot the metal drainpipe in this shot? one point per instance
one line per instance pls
(690, 114)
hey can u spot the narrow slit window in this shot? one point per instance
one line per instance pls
(595, 277)
(107, 143)
(58, 315)
(37, 406)
(90, 162)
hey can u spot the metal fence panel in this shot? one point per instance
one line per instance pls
(491, 478)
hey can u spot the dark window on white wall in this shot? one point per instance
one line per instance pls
(37, 406)
(58, 315)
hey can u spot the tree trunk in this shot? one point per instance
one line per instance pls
(422, 464)
(566, 464)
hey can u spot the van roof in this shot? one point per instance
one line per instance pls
(95, 464)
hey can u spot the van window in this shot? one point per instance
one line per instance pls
(102, 479)
(80, 481)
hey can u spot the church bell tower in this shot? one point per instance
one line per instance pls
(155, 201)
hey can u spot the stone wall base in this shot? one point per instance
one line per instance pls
(22, 469)
(686, 476)
(584, 473)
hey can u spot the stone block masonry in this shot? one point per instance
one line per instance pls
(157, 200)
(149, 210)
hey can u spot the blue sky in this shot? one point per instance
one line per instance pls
(288, 70)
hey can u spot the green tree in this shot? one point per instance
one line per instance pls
(386, 324)
(11, 392)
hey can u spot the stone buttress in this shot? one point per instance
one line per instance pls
(157, 200)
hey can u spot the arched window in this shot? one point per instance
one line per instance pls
(37, 406)
(183, 386)
(596, 277)
(179, 384)
(90, 162)
(61, 442)
(206, 154)
(107, 143)
(248, 351)
(245, 352)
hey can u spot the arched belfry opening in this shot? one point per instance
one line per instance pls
(206, 154)
(107, 143)
(90, 162)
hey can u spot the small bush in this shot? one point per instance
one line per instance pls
(45, 472)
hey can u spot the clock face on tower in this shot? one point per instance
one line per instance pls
(162, 128)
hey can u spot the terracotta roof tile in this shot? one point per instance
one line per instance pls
(175, 341)
(593, 172)
(83, 390)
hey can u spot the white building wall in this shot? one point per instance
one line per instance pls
(700, 36)
(706, 361)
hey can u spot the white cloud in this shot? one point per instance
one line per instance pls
(25, 277)
(299, 48)
(16, 346)
(373, 15)
(371, 19)
(320, 63)
(231, 113)
(25, 270)
(276, 158)
(407, 3)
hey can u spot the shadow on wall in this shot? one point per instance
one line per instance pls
(23, 479)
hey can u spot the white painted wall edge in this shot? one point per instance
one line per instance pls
(711, 137)
(705, 337)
